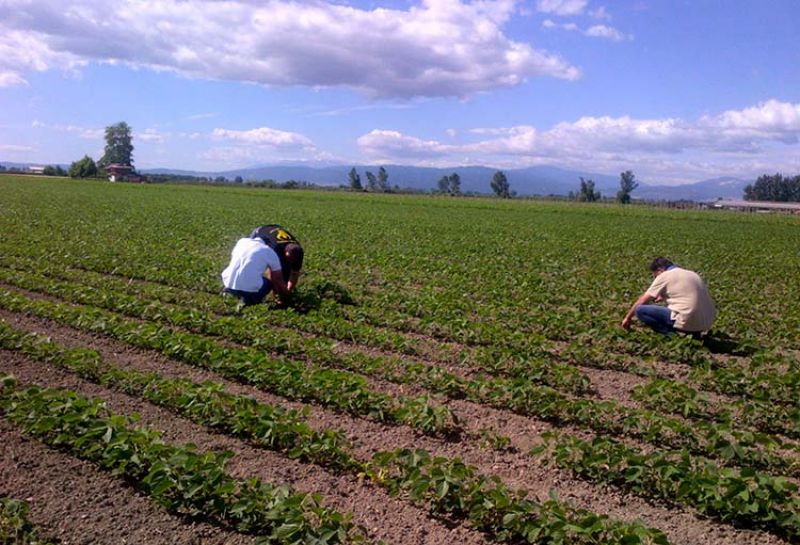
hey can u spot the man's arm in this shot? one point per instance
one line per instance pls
(279, 285)
(293, 279)
(642, 300)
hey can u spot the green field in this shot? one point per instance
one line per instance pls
(435, 317)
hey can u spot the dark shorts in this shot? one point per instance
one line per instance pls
(252, 297)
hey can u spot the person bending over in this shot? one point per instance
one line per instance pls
(269, 260)
(689, 307)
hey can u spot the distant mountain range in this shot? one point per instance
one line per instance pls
(538, 180)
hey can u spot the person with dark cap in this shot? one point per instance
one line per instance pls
(269, 260)
(689, 307)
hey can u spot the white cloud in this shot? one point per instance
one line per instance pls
(151, 135)
(89, 133)
(382, 143)
(750, 140)
(603, 31)
(15, 148)
(449, 47)
(561, 7)
(265, 136)
(594, 31)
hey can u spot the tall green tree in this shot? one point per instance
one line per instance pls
(383, 180)
(627, 183)
(355, 180)
(587, 192)
(443, 185)
(372, 181)
(119, 145)
(454, 184)
(83, 168)
(500, 185)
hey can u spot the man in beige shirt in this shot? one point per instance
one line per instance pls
(689, 306)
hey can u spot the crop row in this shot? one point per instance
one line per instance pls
(448, 487)
(713, 440)
(319, 351)
(762, 380)
(744, 497)
(279, 335)
(15, 527)
(680, 398)
(180, 478)
(340, 390)
(253, 331)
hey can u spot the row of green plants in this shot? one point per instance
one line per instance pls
(268, 426)
(137, 299)
(430, 377)
(744, 497)
(447, 487)
(680, 398)
(715, 440)
(768, 378)
(179, 477)
(294, 380)
(15, 526)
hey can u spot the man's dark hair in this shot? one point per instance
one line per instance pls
(295, 253)
(660, 263)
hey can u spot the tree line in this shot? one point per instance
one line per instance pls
(775, 188)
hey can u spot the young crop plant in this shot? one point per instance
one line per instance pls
(450, 488)
(449, 478)
(341, 390)
(180, 478)
(15, 527)
(743, 496)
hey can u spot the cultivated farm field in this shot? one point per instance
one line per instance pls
(451, 371)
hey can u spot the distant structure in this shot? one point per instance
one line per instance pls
(36, 169)
(122, 173)
(756, 206)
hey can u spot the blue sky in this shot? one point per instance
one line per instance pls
(676, 91)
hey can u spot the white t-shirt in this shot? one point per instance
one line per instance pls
(250, 259)
(687, 297)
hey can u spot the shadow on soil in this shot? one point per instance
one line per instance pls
(311, 297)
(718, 342)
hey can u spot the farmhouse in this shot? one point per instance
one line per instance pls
(756, 206)
(36, 169)
(122, 173)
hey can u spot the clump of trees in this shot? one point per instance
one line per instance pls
(450, 185)
(500, 185)
(51, 170)
(587, 192)
(775, 188)
(375, 184)
(83, 168)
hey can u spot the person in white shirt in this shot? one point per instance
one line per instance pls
(256, 269)
(689, 307)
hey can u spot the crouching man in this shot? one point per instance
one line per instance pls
(268, 261)
(689, 308)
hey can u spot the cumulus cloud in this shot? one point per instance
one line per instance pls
(434, 48)
(594, 31)
(603, 31)
(561, 7)
(738, 137)
(89, 133)
(265, 136)
(392, 144)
